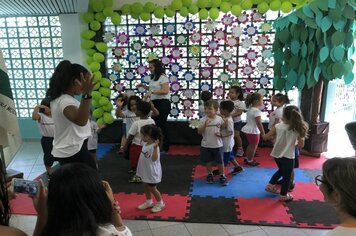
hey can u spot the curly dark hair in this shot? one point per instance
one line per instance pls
(159, 69)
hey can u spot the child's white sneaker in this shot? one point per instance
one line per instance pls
(158, 207)
(145, 206)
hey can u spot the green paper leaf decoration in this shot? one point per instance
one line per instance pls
(311, 82)
(293, 18)
(304, 50)
(317, 72)
(335, 14)
(295, 46)
(302, 66)
(318, 18)
(339, 25)
(338, 38)
(303, 34)
(323, 54)
(294, 62)
(349, 78)
(326, 23)
(348, 41)
(311, 23)
(332, 4)
(322, 5)
(292, 79)
(278, 83)
(308, 11)
(349, 13)
(338, 69)
(284, 36)
(339, 53)
(301, 82)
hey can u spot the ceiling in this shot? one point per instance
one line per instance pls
(41, 7)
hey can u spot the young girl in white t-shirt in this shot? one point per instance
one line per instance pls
(279, 101)
(293, 129)
(253, 128)
(149, 167)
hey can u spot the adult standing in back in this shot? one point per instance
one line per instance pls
(71, 117)
(158, 92)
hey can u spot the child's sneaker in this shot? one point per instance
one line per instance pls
(223, 181)
(121, 150)
(210, 179)
(132, 171)
(158, 207)
(286, 198)
(252, 163)
(291, 187)
(271, 189)
(135, 179)
(236, 170)
(145, 206)
(216, 172)
(240, 152)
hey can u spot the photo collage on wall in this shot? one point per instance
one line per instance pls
(197, 54)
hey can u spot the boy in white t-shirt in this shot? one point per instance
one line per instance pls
(143, 110)
(211, 144)
(93, 139)
(42, 114)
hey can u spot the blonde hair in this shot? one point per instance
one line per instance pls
(296, 121)
(252, 98)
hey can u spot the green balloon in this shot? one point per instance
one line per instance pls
(203, 14)
(97, 76)
(105, 92)
(98, 112)
(96, 87)
(108, 118)
(137, 8)
(98, 6)
(125, 9)
(159, 12)
(108, 11)
(95, 103)
(262, 7)
(135, 16)
(246, 4)
(176, 5)
(236, 10)
(105, 82)
(107, 3)
(170, 12)
(98, 57)
(96, 95)
(149, 7)
(90, 52)
(225, 7)
(99, 16)
(215, 3)
(236, 2)
(183, 11)
(102, 47)
(275, 5)
(145, 16)
(87, 17)
(214, 13)
(89, 60)
(108, 107)
(87, 34)
(94, 66)
(100, 122)
(193, 9)
(286, 7)
(202, 3)
(116, 19)
(187, 3)
(87, 44)
(103, 101)
(95, 25)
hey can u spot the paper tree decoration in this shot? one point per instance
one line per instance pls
(315, 42)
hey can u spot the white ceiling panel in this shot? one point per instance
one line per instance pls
(40, 7)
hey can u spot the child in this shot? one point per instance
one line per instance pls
(293, 129)
(142, 111)
(149, 167)
(129, 116)
(253, 127)
(204, 96)
(121, 104)
(227, 135)
(279, 100)
(93, 139)
(236, 95)
(211, 144)
(42, 114)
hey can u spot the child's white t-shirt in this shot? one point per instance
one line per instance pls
(238, 105)
(68, 136)
(276, 114)
(130, 117)
(210, 140)
(93, 139)
(157, 85)
(285, 142)
(46, 125)
(136, 128)
(228, 141)
(150, 171)
(251, 126)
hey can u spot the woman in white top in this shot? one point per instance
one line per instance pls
(253, 128)
(71, 117)
(78, 203)
(159, 95)
(338, 187)
(293, 129)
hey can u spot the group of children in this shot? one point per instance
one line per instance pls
(221, 125)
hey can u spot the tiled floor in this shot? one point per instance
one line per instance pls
(29, 160)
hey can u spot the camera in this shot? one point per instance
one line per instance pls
(24, 186)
